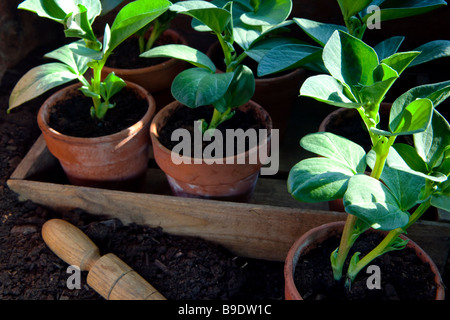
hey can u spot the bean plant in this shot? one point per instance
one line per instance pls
(249, 24)
(404, 180)
(86, 53)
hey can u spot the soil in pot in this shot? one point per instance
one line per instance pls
(403, 275)
(185, 117)
(72, 117)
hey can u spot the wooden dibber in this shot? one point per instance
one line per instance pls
(108, 275)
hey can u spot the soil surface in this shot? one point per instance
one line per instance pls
(179, 267)
(403, 275)
(185, 118)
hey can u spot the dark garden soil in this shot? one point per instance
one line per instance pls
(72, 116)
(406, 277)
(179, 267)
(185, 118)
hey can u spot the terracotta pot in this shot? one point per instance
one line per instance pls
(315, 236)
(116, 161)
(156, 79)
(227, 181)
(277, 93)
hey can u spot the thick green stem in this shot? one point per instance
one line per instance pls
(218, 118)
(347, 240)
(158, 29)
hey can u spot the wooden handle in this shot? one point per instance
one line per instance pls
(70, 244)
(109, 276)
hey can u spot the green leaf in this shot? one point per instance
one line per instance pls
(78, 25)
(260, 48)
(318, 31)
(182, 52)
(109, 5)
(318, 179)
(326, 89)
(370, 200)
(405, 158)
(337, 148)
(216, 19)
(111, 86)
(349, 60)
(57, 10)
(64, 54)
(288, 56)
(240, 90)
(133, 17)
(325, 178)
(388, 47)
(79, 48)
(352, 7)
(400, 61)
(396, 9)
(431, 51)
(268, 13)
(38, 81)
(414, 118)
(441, 198)
(432, 143)
(405, 186)
(197, 87)
(437, 93)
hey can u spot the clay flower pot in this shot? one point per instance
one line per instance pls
(227, 181)
(313, 238)
(116, 161)
(277, 93)
(156, 79)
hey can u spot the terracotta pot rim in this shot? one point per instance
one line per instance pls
(153, 68)
(177, 104)
(304, 240)
(128, 132)
(270, 79)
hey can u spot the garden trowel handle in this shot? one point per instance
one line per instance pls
(108, 275)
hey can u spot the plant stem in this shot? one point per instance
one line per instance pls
(218, 118)
(226, 51)
(345, 245)
(158, 29)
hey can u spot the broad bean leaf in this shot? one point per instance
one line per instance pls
(216, 19)
(405, 186)
(371, 201)
(325, 178)
(396, 9)
(64, 54)
(431, 51)
(182, 52)
(414, 118)
(318, 31)
(289, 56)
(326, 89)
(352, 7)
(197, 87)
(268, 13)
(111, 86)
(133, 17)
(58, 10)
(240, 90)
(388, 47)
(39, 80)
(349, 60)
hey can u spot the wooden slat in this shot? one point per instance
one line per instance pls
(255, 231)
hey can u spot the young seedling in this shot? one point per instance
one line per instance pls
(246, 23)
(413, 178)
(76, 58)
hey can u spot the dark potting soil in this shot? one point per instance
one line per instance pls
(403, 275)
(184, 118)
(72, 117)
(126, 55)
